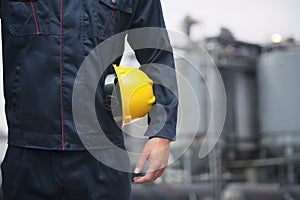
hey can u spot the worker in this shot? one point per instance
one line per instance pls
(44, 45)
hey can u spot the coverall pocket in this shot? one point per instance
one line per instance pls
(110, 16)
(32, 17)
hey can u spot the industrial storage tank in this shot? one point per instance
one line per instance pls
(279, 96)
(236, 61)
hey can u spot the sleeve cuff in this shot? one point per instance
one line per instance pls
(168, 132)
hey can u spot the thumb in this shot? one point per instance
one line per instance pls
(140, 164)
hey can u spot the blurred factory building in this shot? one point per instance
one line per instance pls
(257, 156)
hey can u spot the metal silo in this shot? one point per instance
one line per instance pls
(279, 99)
(279, 108)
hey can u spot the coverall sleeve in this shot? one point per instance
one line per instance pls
(158, 64)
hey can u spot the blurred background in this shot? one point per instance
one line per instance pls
(255, 45)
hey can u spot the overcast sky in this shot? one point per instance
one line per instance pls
(252, 20)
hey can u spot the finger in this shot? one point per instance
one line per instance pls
(150, 176)
(157, 173)
(160, 172)
(140, 164)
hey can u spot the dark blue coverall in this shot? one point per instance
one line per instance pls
(44, 44)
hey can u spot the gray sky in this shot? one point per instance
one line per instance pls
(251, 20)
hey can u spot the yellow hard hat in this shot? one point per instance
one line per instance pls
(136, 92)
